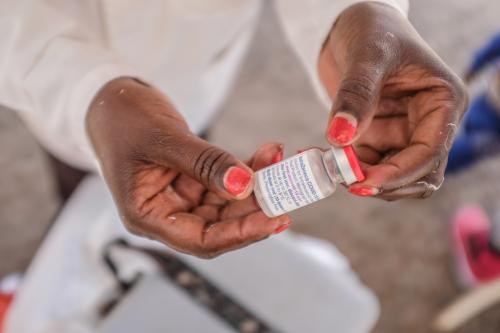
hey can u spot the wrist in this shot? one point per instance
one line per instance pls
(125, 113)
(373, 29)
(112, 113)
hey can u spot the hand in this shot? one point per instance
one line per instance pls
(394, 99)
(170, 185)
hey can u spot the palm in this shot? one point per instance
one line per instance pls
(179, 210)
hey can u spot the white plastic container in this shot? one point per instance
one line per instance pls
(294, 283)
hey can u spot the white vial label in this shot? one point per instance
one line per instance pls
(289, 185)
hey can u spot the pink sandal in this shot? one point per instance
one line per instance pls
(477, 260)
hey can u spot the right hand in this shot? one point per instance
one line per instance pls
(393, 98)
(170, 185)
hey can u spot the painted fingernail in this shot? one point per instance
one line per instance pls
(281, 228)
(278, 157)
(342, 128)
(236, 180)
(364, 191)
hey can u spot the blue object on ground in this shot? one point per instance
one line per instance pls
(486, 55)
(480, 132)
(480, 135)
(482, 116)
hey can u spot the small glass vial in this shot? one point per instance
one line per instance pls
(305, 178)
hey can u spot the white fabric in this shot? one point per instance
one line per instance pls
(296, 283)
(56, 54)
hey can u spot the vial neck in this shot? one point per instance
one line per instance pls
(331, 167)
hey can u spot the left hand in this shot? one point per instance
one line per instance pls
(170, 185)
(394, 99)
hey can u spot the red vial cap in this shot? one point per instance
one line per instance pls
(354, 163)
(348, 164)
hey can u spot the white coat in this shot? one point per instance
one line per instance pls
(56, 54)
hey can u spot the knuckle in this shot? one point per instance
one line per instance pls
(160, 138)
(208, 164)
(357, 91)
(459, 96)
(160, 141)
(428, 192)
(243, 236)
(136, 223)
(205, 249)
(383, 48)
(206, 253)
(429, 188)
(131, 225)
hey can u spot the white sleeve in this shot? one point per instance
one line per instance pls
(307, 25)
(51, 67)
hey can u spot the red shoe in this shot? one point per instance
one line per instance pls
(5, 302)
(477, 261)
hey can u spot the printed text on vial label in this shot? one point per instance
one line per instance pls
(289, 185)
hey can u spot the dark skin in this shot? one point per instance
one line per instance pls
(405, 102)
(171, 186)
(166, 181)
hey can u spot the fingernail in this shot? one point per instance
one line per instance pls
(236, 180)
(342, 128)
(278, 157)
(281, 228)
(364, 191)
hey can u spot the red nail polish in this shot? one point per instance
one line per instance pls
(365, 191)
(237, 180)
(281, 228)
(342, 129)
(278, 157)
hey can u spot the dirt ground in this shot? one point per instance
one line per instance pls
(401, 250)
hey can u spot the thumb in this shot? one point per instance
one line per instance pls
(355, 102)
(213, 167)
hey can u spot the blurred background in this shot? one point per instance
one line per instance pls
(400, 250)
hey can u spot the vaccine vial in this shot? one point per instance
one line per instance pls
(305, 178)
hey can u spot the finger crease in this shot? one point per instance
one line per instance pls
(212, 165)
(198, 164)
(422, 143)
